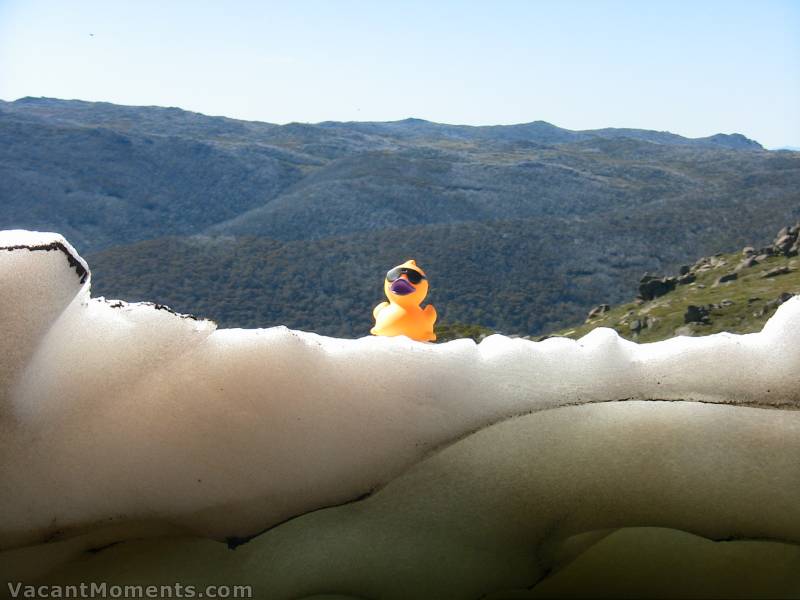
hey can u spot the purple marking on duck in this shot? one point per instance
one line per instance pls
(401, 287)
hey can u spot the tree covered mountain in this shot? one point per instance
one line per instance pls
(106, 174)
(523, 277)
(522, 227)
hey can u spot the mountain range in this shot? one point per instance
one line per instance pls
(521, 228)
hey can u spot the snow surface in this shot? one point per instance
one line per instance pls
(117, 413)
(505, 506)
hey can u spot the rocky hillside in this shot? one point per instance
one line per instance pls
(734, 292)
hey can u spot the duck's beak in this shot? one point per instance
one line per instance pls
(402, 287)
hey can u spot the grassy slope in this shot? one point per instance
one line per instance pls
(749, 294)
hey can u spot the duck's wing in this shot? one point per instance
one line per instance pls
(378, 309)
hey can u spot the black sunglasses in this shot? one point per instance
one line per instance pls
(413, 276)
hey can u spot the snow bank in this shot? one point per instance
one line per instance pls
(115, 412)
(500, 509)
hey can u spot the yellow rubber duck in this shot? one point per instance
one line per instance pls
(406, 287)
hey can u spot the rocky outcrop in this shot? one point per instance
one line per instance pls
(651, 287)
(697, 314)
(782, 270)
(726, 278)
(642, 323)
(785, 243)
(773, 304)
(707, 263)
(747, 262)
(597, 311)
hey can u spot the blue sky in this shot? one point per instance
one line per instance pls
(694, 68)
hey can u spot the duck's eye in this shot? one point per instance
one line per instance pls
(413, 276)
(394, 274)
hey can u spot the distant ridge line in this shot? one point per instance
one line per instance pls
(416, 127)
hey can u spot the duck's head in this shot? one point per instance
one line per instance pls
(406, 284)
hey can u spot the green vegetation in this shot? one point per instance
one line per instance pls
(480, 274)
(105, 175)
(514, 277)
(739, 306)
(522, 228)
(455, 331)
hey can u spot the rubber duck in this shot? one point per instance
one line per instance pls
(406, 287)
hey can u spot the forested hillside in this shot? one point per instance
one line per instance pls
(522, 227)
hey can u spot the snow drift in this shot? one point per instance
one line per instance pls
(509, 450)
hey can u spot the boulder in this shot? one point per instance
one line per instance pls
(726, 278)
(748, 262)
(783, 270)
(651, 287)
(696, 314)
(773, 304)
(701, 262)
(687, 278)
(783, 244)
(687, 330)
(598, 310)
